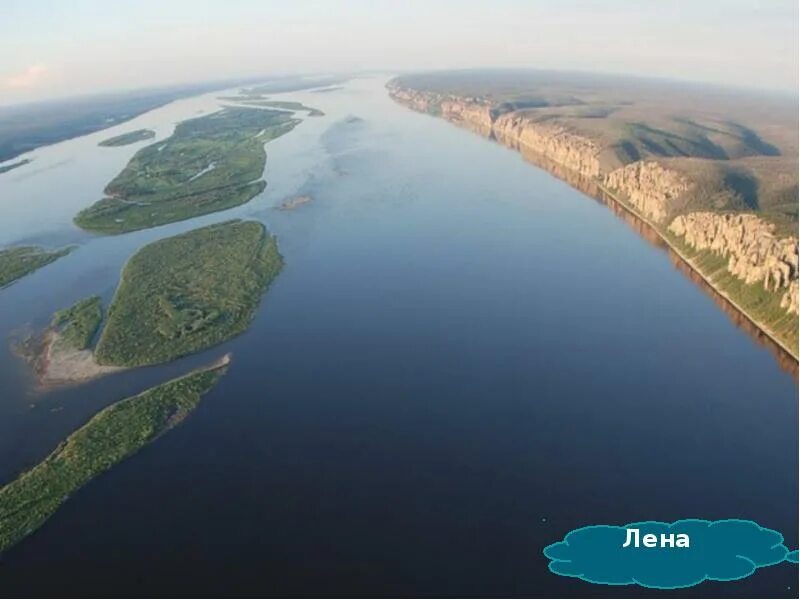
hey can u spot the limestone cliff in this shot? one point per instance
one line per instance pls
(552, 140)
(649, 187)
(754, 253)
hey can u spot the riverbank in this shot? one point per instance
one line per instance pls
(689, 262)
(569, 157)
(58, 365)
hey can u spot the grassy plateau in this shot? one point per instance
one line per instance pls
(21, 260)
(112, 435)
(210, 163)
(188, 292)
(129, 138)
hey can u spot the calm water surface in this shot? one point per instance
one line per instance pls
(463, 359)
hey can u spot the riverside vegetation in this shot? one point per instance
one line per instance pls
(78, 324)
(185, 293)
(113, 434)
(129, 138)
(281, 104)
(286, 105)
(19, 261)
(209, 164)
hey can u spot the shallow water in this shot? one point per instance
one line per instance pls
(463, 359)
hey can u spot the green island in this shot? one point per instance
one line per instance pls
(129, 138)
(185, 293)
(19, 261)
(110, 436)
(209, 164)
(280, 104)
(14, 165)
(78, 324)
(286, 105)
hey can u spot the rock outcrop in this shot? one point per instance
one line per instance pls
(475, 115)
(789, 300)
(649, 187)
(552, 140)
(755, 254)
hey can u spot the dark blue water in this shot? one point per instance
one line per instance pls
(463, 359)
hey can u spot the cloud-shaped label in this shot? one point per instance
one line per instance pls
(715, 550)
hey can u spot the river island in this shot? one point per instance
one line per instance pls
(211, 163)
(112, 435)
(131, 137)
(18, 261)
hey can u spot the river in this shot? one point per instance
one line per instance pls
(463, 359)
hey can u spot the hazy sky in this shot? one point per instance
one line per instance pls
(68, 47)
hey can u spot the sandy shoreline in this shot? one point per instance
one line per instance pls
(57, 366)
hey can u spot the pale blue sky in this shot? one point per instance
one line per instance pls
(61, 47)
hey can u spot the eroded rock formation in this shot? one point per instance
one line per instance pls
(755, 254)
(649, 187)
(552, 140)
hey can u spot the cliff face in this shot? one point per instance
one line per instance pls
(553, 141)
(476, 115)
(416, 100)
(755, 254)
(649, 187)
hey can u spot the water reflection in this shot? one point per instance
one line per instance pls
(590, 187)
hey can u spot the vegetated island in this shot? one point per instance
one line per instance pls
(186, 293)
(177, 296)
(210, 163)
(14, 165)
(280, 104)
(78, 323)
(131, 137)
(112, 435)
(18, 261)
(714, 172)
(292, 84)
(62, 354)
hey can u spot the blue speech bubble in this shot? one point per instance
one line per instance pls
(724, 550)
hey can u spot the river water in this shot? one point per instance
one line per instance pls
(463, 359)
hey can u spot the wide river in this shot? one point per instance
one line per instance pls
(463, 359)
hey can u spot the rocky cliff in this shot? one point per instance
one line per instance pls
(554, 141)
(755, 253)
(649, 187)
